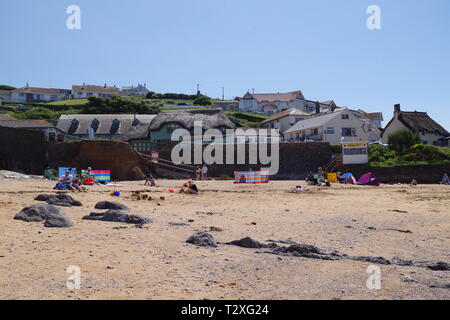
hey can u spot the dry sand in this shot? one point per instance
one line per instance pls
(154, 262)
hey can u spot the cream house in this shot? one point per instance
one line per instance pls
(34, 94)
(85, 91)
(429, 130)
(271, 103)
(285, 119)
(342, 125)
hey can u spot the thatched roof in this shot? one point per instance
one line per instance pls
(108, 124)
(211, 118)
(139, 132)
(421, 122)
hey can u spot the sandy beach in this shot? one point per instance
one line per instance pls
(121, 261)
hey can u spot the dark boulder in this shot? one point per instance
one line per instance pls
(247, 243)
(111, 205)
(52, 216)
(60, 199)
(202, 239)
(117, 216)
(439, 266)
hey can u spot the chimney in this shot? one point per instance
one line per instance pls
(396, 110)
(317, 107)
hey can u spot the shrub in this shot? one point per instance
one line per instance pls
(402, 140)
(380, 153)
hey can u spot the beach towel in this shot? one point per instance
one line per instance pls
(100, 175)
(348, 178)
(369, 179)
(251, 177)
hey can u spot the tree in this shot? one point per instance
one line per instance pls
(202, 101)
(150, 95)
(402, 140)
(6, 87)
(117, 104)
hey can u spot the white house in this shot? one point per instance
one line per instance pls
(272, 103)
(85, 91)
(342, 125)
(33, 94)
(139, 90)
(285, 119)
(5, 95)
(429, 130)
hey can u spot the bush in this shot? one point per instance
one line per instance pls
(117, 104)
(427, 153)
(337, 149)
(380, 153)
(37, 113)
(202, 101)
(402, 140)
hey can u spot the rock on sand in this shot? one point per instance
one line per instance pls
(51, 215)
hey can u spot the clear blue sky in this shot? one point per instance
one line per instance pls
(322, 47)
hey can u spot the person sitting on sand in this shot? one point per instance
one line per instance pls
(311, 179)
(189, 188)
(65, 182)
(76, 183)
(320, 172)
(445, 179)
(413, 183)
(150, 180)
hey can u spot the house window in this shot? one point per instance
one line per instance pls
(345, 116)
(355, 151)
(348, 132)
(114, 126)
(315, 132)
(171, 127)
(21, 94)
(73, 126)
(424, 142)
(330, 130)
(95, 124)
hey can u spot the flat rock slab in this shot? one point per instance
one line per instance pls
(104, 205)
(61, 199)
(248, 243)
(117, 216)
(52, 216)
(202, 239)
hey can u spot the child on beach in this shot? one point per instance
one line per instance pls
(150, 180)
(445, 179)
(189, 188)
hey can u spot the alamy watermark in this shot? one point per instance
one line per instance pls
(374, 19)
(74, 280)
(374, 280)
(73, 22)
(221, 146)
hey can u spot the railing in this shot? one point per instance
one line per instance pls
(170, 165)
